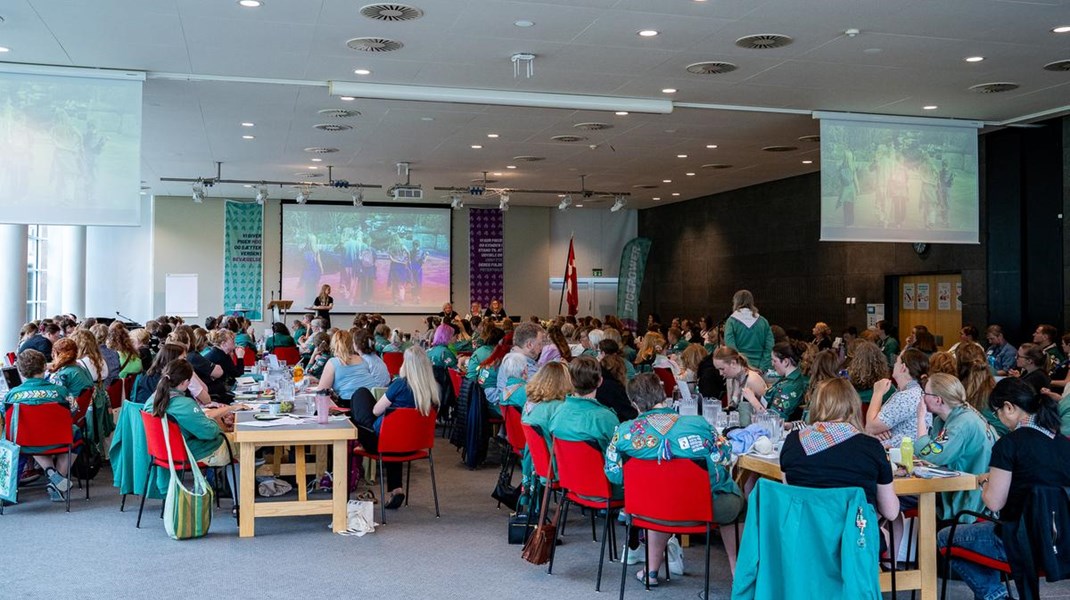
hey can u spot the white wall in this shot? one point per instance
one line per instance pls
(118, 269)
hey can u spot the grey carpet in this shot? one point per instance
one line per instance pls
(95, 552)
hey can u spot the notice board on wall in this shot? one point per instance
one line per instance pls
(180, 294)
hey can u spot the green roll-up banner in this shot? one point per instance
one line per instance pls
(243, 255)
(632, 266)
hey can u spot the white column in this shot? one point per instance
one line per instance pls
(73, 269)
(13, 242)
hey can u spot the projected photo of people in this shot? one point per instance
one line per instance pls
(891, 182)
(390, 259)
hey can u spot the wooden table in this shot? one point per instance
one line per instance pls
(248, 438)
(924, 577)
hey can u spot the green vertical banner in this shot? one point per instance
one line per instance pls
(630, 282)
(243, 256)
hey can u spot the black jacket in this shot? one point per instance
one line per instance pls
(613, 395)
(1040, 540)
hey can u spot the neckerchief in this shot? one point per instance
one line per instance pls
(822, 436)
(1030, 423)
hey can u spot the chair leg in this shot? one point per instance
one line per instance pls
(706, 583)
(70, 463)
(382, 489)
(594, 535)
(893, 552)
(408, 479)
(667, 563)
(646, 563)
(602, 552)
(624, 558)
(434, 485)
(553, 542)
(144, 494)
(122, 503)
(564, 515)
(910, 547)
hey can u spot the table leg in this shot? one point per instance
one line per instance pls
(247, 487)
(321, 462)
(276, 459)
(302, 477)
(340, 486)
(927, 544)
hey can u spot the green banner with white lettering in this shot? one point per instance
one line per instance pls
(630, 282)
(243, 259)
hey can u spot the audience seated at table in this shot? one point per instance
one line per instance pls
(739, 376)
(280, 337)
(415, 387)
(346, 371)
(785, 396)
(229, 357)
(146, 383)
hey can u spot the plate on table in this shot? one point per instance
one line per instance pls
(267, 417)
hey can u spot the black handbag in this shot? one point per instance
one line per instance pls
(506, 493)
(520, 527)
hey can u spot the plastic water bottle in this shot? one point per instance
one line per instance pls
(906, 448)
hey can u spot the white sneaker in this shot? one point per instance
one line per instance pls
(634, 557)
(676, 557)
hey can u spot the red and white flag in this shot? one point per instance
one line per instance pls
(572, 297)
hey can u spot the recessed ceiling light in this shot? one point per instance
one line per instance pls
(676, 193)
(711, 146)
(668, 91)
(248, 185)
(313, 167)
(579, 206)
(689, 174)
(347, 98)
(808, 162)
(621, 113)
(427, 118)
(5, 49)
(247, 124)
(476, 147)
(510, 166)
(1061, 29)
(666, 180)
(362, 72)
(250, 3)
(647, 33)
(655, 198)
(681, 156)
(496, 174)
(248, 137)
(930, 107)
(317, 160)
(974, 58)
(523, 23)
(492, 135)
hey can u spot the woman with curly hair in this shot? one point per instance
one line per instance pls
(868, 366)
(943, 362)
(120, 341)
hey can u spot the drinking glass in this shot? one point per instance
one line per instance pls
(720, 422)
(733, 419)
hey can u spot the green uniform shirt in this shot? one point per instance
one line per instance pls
(629, 370)
(130, 363)
(890, 348)
(202, 434)
(662, 434)
(381, 343)
(962, 443)
(580, 419)
(629, 354)
(679, 347)
(461, 346)
(481, 353)
(867, 395)
(243, 339)
(1001, 429)
(73, 378)
(279, 340)
(754, 342)
(516, 394)
(1064, 416)
(786, 394)
(537, 415)
(442, 356)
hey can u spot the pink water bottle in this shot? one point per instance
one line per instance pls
(323, 408)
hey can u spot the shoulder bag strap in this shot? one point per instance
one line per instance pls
(198, 479)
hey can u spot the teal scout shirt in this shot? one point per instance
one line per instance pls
(279, 340)
(786, 394)
(962, 443)
(442, 356)
(461, 346)
(890, 348)
(1064, 416)
(73, 378)
(381, 343)
(662, 434)
(516, 394)
(629, 370)
(202, 434)
(537, 415)
(481, 353)
(580, 419)
(679, 347)
(754, 342)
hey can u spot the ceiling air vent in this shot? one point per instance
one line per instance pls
(321, 150)
(568, 138)
(645, 186)
(1059, 65)
(333, 127)
(810, 138)
(374, 44)
(339, 113)
(592, 126)
(309, 175)
(391, 12)
(529, 158)
(763, 41)
(994, 88)
(779, 148)
(712, 67)
(716, 166)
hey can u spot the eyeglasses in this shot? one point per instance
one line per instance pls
(928, 395)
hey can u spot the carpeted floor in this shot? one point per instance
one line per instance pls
(95, 552)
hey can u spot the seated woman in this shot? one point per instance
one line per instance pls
(36, 390)
(822, 336)
(1032, 363)
(142, 342)
(346, 371)
(382, 338)
(440, 354)
(582, 418)
(219, 353)
(689, 360)
(321, 353)
(673, 436)
(891, 421)
(833, 450)
(120, 341)
(492, 335)
(976, 376)
(943, 362)
(1033, 454)
(77, 366)
(558, 349)
(111, 357)
(544, 396)
(868, 366)
(280, 338)
(739, 376)
(244, 333)
(959, 439)
(613, 393)
(206, 370)
(203, 434)
(365, 344)
(416, 388)
(145, 385)
(786, 394)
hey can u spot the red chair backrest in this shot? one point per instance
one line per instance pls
(581, 468)
(667, 380)
(115, 393)
(41, 424)
(290, 354)
(669, 490)
(514, 428)
(83, 400)
(393, 362)
(155, 441)
(249, 358)
(11, 358)
(540, 453)
(455, 379)
(405, 430)
(128, 385)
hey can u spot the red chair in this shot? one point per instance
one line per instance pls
(249, 358)
(393, 362)
(45, 425)
(514, 434)
(668, 381)
(157, 449)
(670, 496)
(84, 401)
(290, 354)
(960, 553)
(540, 455)
(405, 436)
(455, 379)
(128, 386)
(116, 393)
(11, 358)
(581, 470)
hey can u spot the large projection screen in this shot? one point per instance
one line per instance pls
(70, 146)
(913, 180)
(376, 259)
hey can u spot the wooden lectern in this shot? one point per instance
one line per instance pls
(280, 306)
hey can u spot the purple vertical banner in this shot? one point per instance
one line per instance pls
(486, 255)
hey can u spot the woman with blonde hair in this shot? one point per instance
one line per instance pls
(346, 372)
(822, 336)
(739, 375)
(219, 353)
(977, 379)
(110, 356)
(415, 387)
(546, 393)
(748, 332)
(689, 361)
